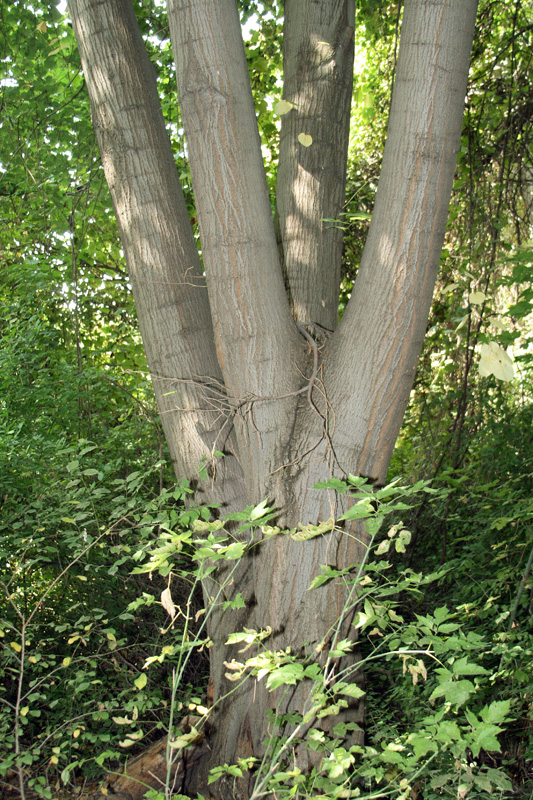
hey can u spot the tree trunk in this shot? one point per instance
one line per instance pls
(287, 403)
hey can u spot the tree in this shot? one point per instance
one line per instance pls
(242, 344)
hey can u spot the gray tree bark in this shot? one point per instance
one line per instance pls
(288, 405)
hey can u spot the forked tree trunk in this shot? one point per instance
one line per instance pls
(250, 363)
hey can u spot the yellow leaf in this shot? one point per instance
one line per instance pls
(66, 661)
(235, 676)
(449, 288)
(32, 660)
(24, 711)
(234, 665)
(498, 325)
(462, 322)
(16, 647)
(81, 577)
(495, 361)
(282, 107)
(76, 733)
(477, 298)
(54, 760)
(305, 139)
(167, 603)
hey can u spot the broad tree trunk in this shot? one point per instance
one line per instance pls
(254, 371)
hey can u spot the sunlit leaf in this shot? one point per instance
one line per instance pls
(168, 605)
(305, 139)
(495, 361)
(141, 680)
(282, 107)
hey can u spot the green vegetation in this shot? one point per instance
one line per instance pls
(104, 632)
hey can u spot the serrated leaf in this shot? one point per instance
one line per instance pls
(465, 667)
(259, 510)
(486, 737)
(310, 531)
(333, 483)
(359, 510)
(455, 692)
(350, 689)
(360, 620)
(448, 731)
(235, 550)
(287, 674)
(496, 712)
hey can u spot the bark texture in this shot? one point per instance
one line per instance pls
(289, 404)
(318, 81)
(164, 267)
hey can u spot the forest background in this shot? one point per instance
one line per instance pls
(92, 668)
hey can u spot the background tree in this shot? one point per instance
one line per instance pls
(233, 369)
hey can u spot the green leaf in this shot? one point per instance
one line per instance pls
(260, 510)
(497, 711)
(141, 680)
(360, 510)
(234, 551)
(237, 602)
(288, 674)
(455, 692)
(485, 738)
(465, 667)
(447, 732)
(350, 689)
(333, 483)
